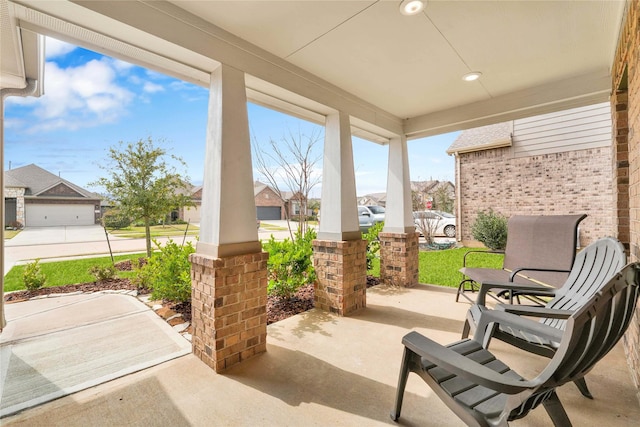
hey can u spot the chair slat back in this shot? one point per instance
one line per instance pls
(544, 241)
(594, 266)
(593, 330)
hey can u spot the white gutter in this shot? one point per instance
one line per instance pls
(30, 90)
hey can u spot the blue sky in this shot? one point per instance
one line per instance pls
(92, 102)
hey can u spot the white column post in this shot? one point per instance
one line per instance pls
(3, 320)
(398, 215)
(338, 209)
(228, 219)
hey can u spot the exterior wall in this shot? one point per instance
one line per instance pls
(625, 63)
(551, 184)
(61, 190)
(268, 197)
(568, 130)
(18, 194)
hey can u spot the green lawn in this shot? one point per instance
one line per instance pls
(10, 234)
(441, 267)
(271, 227)
(156, 231)
(65, 272)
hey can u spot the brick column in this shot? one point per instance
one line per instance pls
(399, 258)
(341, 267)
(229, 308)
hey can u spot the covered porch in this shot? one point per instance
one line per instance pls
(322, 369)
(360, 68)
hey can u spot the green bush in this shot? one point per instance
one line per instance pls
(102, 273)
(114, 219)
(33, 277)
(490, 228)
(168, 272)
(373, 244)
(290, 266)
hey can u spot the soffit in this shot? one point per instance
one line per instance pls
(364, 57)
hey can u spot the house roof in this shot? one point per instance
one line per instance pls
(483, 138)
(37, 180)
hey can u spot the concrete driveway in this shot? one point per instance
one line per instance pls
(63, 234)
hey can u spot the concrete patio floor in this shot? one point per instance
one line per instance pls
(322, 370)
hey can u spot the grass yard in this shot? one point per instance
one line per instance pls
(441, 267)
(66, 272)
(10, 234)
(271, 227)
(156, 231)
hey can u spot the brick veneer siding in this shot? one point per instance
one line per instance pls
(229, 308)
(399, 259)
(18, 194)
(341, 268)
(551, 184)
(268, 197)
(628, 57)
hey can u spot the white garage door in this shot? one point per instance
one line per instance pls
(42, 215)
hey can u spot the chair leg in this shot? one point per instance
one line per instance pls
(556, 411)
(402, 383)
(582, 386)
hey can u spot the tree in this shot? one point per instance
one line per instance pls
(142, 184)
(290, 163)
(442, 197)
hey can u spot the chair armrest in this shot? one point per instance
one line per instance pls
(516, 322)
(463, 366)
(511, 286)
(534, 311)
(520, 269)
(464, 260)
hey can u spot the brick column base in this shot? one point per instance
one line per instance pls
(228, 308)
(341, 268)
(399, 259)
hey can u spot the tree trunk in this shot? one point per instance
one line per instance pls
(147, 231)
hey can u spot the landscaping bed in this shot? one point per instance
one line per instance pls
(277, 308)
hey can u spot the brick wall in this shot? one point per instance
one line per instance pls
(625, 63)
(341, 269)
(18, 194)
(399, 258)
(268, 197)
(229, 308)
(550, 184)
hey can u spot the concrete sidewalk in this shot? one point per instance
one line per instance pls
(55, 346)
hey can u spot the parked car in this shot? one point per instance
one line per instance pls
(365, 218)
(377, 213)
(440, 223)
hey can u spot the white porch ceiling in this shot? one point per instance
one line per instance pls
(392, 73)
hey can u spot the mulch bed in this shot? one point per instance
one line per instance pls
(277, 308)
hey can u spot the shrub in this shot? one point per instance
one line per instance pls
(15, 225)
(115, 219)
(290, 266)
(33, 277)
(102, 273)
(490, 228)
(373, 244)
(168, 272)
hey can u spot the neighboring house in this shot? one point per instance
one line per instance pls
(35, 197)
(434, 194)
(191, 214)
(268, 204)
(558, 163)
(374, 199)
(425, 190)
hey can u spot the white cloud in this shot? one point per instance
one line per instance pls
(152, 87)
(82, 96)
(55, 48)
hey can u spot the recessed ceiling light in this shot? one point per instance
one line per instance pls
(411, 7)
(469, 77)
